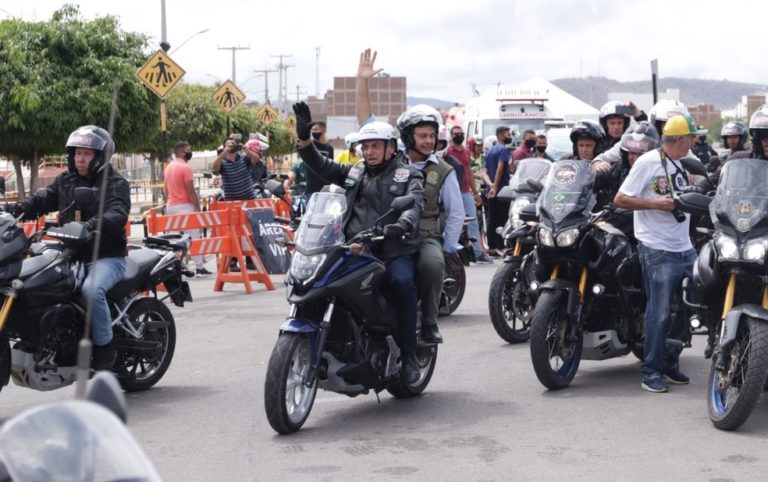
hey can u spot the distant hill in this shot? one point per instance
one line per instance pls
(438, 104)
(723, 94)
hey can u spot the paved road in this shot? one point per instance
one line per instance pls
(484, 416)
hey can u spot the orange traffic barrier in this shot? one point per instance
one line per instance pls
(230, 240)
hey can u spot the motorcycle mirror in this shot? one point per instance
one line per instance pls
(528, 213)
(535, 184)
(275, 187)
(506, 193)
(105, 390)
(85, 196)
(694, 166)
(402, 203)
(693, 202)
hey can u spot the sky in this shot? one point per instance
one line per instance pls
(443, 48)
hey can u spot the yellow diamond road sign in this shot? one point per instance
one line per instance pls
(160, 73)
(266, 113)
(290, 124)
(228, 96)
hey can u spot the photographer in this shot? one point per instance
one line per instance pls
(666, 252)
(234, 164)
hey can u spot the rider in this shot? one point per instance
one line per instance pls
(758, 132)
(615, 119)
(587, 137)
(734, 137)
(349, 156)
(372, 184)
(703, 150)
(89, 150)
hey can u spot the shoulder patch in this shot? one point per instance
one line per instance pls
(432, 177)
(401, 175)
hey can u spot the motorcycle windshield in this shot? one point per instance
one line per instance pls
(534, 168)
(322, 223)
(72, 440)
(741, 199)
(567, 190)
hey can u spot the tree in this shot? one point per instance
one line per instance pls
(58, 75)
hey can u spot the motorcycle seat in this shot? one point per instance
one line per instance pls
(138, 264)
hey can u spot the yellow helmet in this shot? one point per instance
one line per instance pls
(681, 125)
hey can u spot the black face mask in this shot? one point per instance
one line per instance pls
(458, 138)
(317, 135)
(187, 155)
(529, 143)
(507, 140)
(541, 148)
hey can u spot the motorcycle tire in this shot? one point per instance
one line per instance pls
(138, 371)
(505, 314)
(454, 293)
(427, 357)
(549, 328)
(287, 400)
(729, 412)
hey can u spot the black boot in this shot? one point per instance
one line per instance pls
(430, 334)
(104, 357)
(410, 371)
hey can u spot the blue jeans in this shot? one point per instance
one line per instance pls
(470, 210)
(663, 273)
(100, 277)
(401, 290)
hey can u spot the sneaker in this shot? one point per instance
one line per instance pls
(654, 385)
(104, 357)
(676, 377)
(202, 272)
(483, 259)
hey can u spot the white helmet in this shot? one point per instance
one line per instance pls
(350, 139)
(666, 109)
(442, 133)
(377, 130)
(489, 142)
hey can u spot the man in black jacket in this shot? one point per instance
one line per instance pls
(89, 149)
(372, 184)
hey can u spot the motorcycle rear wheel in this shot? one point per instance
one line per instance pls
(454, 293)
(555, 357)
(427, 357)
(732, 398)
(510, 318)
(136, 370)
(287, 399)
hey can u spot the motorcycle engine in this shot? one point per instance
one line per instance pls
(62, 328)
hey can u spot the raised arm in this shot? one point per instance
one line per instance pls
(365, 71)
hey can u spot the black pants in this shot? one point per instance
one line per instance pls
(498, 211)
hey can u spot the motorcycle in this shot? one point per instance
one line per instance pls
(42, 318)
(510, 298)
(454, 283)
(591, 306)
(340, 332)
(730, 275)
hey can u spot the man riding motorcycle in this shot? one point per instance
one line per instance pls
(89, 150)
(372, 184)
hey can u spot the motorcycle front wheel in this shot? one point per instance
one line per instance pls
(287, 397)
(555, 345)
(427, 358)
(508, 304)
(733, 392)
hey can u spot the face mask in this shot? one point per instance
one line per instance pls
(702, 139)
(529, 143)
(507, 140)
(458, 138)
(187, 155)
(541, 148)
(317, 135)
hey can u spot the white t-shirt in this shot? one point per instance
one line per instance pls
(648, 180)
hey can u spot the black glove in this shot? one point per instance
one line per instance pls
(303, 120)
(395, 231)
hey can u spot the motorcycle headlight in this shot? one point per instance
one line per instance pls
(545, 237)
(568, 237)
(304, 268)
(755, 251)
(514, 211)
(727, 247)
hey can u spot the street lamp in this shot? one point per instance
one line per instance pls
(188, 39)
(215, 78)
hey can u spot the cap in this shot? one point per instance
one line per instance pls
(682, 125)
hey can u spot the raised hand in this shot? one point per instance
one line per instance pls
(366, 69)
(303, 120)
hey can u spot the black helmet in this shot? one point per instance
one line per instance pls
(418, 115)
(588, 129)
(90, 137)
(639, 139)
(610, 109)
(734, 129)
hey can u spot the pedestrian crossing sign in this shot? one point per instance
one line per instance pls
(228, 96)
(266, 114)
(160, 73)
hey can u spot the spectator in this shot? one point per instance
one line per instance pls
(524, 150)
(235, 169)
(541, 147)
(349, 156)
(497, 176)
(319, 131)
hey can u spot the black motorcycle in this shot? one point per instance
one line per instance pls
(591, 304)
(731, 279)
(42, 318)
(510, 298)
(340, 332)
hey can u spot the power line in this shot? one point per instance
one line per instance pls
(234, 49)
(265, 73)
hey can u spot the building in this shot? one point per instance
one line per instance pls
(704, 114)
(643, 100)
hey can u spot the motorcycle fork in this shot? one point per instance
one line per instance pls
(318, 349)
(518, 248)
(5, 311)
(730, 292)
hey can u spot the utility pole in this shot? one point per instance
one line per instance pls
(317, 71)
(282, 89)
(234, 49)
(299, 92)
(265, 73)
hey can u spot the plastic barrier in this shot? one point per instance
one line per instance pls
(230, 240)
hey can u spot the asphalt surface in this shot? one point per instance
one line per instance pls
(484, 416)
